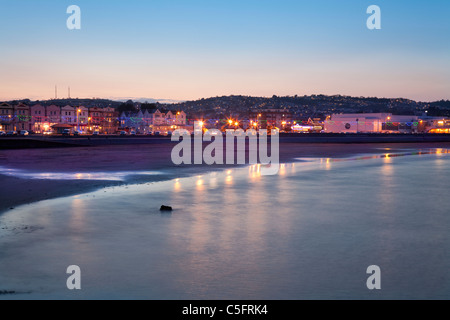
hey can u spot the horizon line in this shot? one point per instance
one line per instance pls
(176, 101)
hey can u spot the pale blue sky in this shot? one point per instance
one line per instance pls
(194, 49)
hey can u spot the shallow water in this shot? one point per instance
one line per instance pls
(308, 233)
(97, 176)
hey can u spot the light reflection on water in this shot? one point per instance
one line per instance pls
(106, 176)
(308, 233)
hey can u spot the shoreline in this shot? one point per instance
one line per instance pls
(18, 191)
(43, 142)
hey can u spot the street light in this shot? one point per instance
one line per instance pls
(257, 119)
(78, 121)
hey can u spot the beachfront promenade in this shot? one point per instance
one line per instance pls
(62, 141)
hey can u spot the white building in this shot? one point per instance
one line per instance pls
(370, 123)
(83, 118)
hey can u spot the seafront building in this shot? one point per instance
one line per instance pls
(22, 118)
(14, 118)
(6, 117)
(68, 115)
(53, 114)
(39, 123)
(272, 118)
(82, 119)
(438, 125)
(372, 123)
(152, 121)
(42, 119)
(102, 120)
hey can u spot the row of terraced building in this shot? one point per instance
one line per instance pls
(42, 119)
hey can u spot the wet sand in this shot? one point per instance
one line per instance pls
(17, 191)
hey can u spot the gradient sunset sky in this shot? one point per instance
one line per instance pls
(191, 49)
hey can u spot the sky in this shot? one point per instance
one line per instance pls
(192, 49)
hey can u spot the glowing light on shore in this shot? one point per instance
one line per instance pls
(177, 185)
(328, 164)
(255, 171)
(282, 171)
(199, 183)
(387, 158)
(104, 176)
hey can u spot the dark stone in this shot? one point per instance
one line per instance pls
(166, 208)
(5, 292)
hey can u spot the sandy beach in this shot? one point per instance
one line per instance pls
(18, 189)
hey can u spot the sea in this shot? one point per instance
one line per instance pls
(310, 232)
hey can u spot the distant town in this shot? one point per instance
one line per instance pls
(290, 114)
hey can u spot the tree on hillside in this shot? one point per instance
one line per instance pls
(127, 107)
(148, 106)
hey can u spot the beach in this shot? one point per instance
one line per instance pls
(24, 179)
(309, 232)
